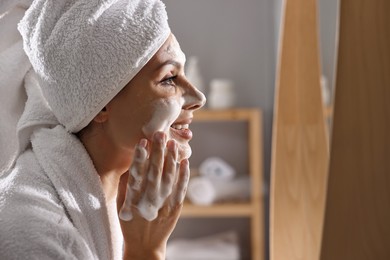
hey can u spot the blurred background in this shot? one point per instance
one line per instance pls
(238, 41)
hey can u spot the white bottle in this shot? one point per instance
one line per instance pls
(221, 94)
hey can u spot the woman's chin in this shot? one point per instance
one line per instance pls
(185, 152)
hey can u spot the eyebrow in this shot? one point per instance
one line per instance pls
(170, 62)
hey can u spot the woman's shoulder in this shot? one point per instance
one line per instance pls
(32, 219)
(26, 183)
(30, 233)
(27, 194)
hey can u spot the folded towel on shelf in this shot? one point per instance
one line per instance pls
(222, 246)
(216, 168)
(204, 191)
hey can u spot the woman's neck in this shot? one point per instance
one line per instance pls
(110, 162)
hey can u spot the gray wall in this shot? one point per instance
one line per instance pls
(328, 18)
(232, 39)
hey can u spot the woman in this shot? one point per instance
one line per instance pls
(107, 93)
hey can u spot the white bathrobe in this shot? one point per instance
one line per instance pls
(52, 205)
(84, 52)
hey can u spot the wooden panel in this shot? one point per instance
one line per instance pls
(255, 147)
(300, 147)
(357, 221)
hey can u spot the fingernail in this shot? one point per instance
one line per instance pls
(138, 153)
(143, 143)
(140, 150)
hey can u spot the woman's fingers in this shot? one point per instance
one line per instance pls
(137, 170)
(180, 189)
(136, 181)
(155, 183)
(152, 199)
(170, 169)
(173, 205)
(156, 161)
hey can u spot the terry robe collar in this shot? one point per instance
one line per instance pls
(68, 165)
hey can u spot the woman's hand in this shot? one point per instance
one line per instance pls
(155, 189)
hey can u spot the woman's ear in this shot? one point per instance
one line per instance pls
(102, 116)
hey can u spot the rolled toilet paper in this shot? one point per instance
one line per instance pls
(203, 191)
(216, 168)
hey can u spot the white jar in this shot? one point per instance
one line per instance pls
(221, 94)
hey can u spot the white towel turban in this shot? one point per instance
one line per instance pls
(86, 51)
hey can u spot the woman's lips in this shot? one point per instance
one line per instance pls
(182, 131)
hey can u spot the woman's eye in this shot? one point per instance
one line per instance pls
(169, 81)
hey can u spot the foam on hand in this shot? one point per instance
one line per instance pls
(125, 211)
(152, 200)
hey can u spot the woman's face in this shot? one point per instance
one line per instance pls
(158, 98)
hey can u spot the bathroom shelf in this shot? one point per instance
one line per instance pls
(254, 208)
(237, 114)
(218, 210)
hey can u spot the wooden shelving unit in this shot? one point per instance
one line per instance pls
(252, 209)
(218, 210)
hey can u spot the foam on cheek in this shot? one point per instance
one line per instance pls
(166, 111)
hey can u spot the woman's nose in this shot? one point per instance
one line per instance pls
(193, 98)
